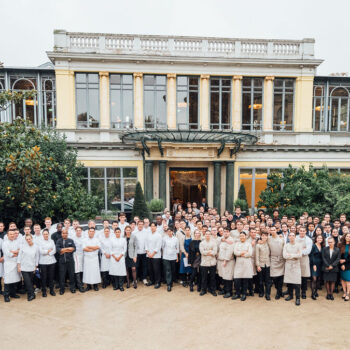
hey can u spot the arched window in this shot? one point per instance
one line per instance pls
(318, 108)
(48, 102)
(339, 109)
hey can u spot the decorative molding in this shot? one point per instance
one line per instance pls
(237, 77)
(138, 75)
(171, 76)
(104, 74)
(205, 76)
(269, 78)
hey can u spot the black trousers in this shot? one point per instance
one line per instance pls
(278, 282)
(227, 286)
(205, 272)
(47, 273)
(117, 281)
(304, 284)
(264, 280)
(154, 269)
(10, 289)
(195, 274)
(291, 288)
(63, 268)
(28, 281)
(141, 265)
(169, 271)
(241, 285)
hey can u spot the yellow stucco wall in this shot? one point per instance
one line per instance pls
(303, 104)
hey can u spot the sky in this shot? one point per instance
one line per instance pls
(26, 27)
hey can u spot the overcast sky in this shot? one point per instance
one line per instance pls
(27, 26)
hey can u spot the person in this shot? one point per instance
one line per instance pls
(47, 262)
(27, 263)
(263, 262)
(170, 247)
(153, 246)
(28, 222)
(292, 253)
(78, 256)
(38, 234)
(49, 227)
(253, 283)
(106, 246)
(194, 259)
(91, 270)
(117, 268)
(276, 244)
(10, 249)
(141, 261)
(306, 244)
(65, 248)
(226, 262)
(1, 261)
(238, 214)
(122, 223)
(316, 265)
(330, 258)
(185, 270)
(130, 257)
(345, 264)
(243, 268)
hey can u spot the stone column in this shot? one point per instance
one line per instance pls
(171, 101)
(217, 185)
(237, 103)
(104, 101)
(138, 101)
(162, 180)
(268, 104)
(204, 102)
(148, 180)
(230, 171)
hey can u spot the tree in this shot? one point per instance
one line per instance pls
(295, 190)
(40, 176)
(242, 193)
(8, 96)
(140, 208)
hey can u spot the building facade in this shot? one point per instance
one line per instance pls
(194, 117)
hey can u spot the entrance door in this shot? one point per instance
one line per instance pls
(188, 185)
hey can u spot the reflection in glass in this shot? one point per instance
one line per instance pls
(220, 103)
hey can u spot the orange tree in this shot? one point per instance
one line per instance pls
(40, 176)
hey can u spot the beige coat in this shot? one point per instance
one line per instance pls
(262, 255)
(206, 247)
(235, 235)
(243, 267)
(292, 254)
(226, 254)
(250, 240)
(305, 261)
(276, 255)
(180, 235)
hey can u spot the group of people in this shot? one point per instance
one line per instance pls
(231, 254)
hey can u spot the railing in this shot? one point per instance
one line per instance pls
(182, 46)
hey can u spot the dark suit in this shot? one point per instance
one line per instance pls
(204, 205)
(330, 275)
(66, 262)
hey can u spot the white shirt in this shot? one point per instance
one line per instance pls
(140, 241)
(91, 242)
(28, 257)
(170, 247)
(52, 230)
(46, 258)
(154, 244)
(122, 227)
(78, 241)
(37, 239)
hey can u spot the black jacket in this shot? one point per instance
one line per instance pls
(328, 261)
(347, 260)
(193, 251)
(66, 257)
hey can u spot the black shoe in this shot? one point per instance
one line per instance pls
(104, 286)
(227, 295)
(244, 297)
(277, 297)
(128, 285)
(72, 290)
(121, 289)
(88, 287)
(236, 296)
(115, 288)
(313, 296)
(44, 294)
(198, 289)
(157, 286)
(15, 296)
(31, 297)
(191, 288)
(316, 295)
(61, 291)
(202, 293)
(7, 299)
(261, 295)
(185, 284)
(221, 292)
(169, 289)
(327, 297)
(95, 287)
(303, 295)
(135, 285)
(267, 297)
(81, 290)
(288, 298)
(284, 293)
(52, 292)
(331, 297)
(213, 294)
(297, 302)
(251, 293)
(149, 284)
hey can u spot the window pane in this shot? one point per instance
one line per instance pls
(334, 114)
(344, 115)
(149, 107)
(113, 194)
(246, 173)
(113, 172)
(260, 185)
(161, 80)
(277, 112)
(148, 79)
(182, 80)
(161, 109)
(246, 110)
(261, 173)
(257, 111)
(81, 107)
(248, 189)
(129, 172)
(128, 107)
(93, 78)
(116, 117)
(97, 172)
(80, 78)
(94, 114)
(115, 79)
(84, 172)
(225, 109)
(129, 190)
(288, 112)
(98, 189)
(127, 79)
(214, 108)
(182, 105)
(193, 110)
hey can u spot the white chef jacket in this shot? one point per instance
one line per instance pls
(122, 227)
(46, 258)
(28, 257)
(140, 240)
(91, 270)
(78, 255)
(119, 246)
(153, 243)
(1, 263)
(170, 247)
(11, 274)
(105, 247)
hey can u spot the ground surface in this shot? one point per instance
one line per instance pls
(155, 319)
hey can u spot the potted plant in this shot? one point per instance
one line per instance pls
(243, 204)
(156, 207)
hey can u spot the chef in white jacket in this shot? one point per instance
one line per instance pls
(117, 268)
(91, 271)
(106, 245)
(27, 263)
(47, 261)
(78, 256)
(10, 249)
(1, 263)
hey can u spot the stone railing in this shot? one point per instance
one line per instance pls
(157, 45)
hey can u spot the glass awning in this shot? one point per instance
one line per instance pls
(222, 137)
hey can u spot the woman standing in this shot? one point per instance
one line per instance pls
(117, 268)
(243, 270)
(185, 270)
(27, 263)
(47, 261)
(330, 257)
(194, 259)
(345, 264)
(316, 265)
(130, 257)
(292, 253)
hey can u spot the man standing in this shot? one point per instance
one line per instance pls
(79, 258)
(122, 223)
(171, 250)
(141, 262)
(153, 246)
(65, 248)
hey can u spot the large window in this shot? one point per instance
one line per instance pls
(114, 186)
(187, 89)
(252, 106)
(283, 108)
(318, 108)
(121, 90)
(48, 102)
(339, 109)
(220, 103)
(87, 100)
(154, 100)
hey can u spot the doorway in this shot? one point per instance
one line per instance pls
(188, 185)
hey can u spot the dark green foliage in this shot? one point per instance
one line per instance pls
(242, 193)
(140, 208)
(241, 203)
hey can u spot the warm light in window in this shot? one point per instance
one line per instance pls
(182, 104)
(256, 106)
(30, 102)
